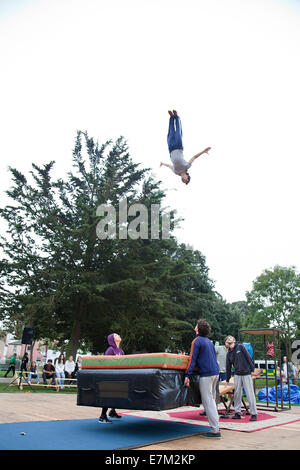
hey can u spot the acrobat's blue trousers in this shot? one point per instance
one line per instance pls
(175, 134)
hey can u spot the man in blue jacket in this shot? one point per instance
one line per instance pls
(203, 356)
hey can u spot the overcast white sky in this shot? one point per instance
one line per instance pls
(230, 67)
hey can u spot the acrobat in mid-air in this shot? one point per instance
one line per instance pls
(179, 165)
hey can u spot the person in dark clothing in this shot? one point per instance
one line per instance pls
(203, 356)
(24, 363)
(239, 358)
(114, 349)
(77, 367)
(49, 372)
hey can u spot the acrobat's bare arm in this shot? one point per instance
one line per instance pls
(198, 154)
(167, 164)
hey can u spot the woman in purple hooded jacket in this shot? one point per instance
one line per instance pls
(114, 349)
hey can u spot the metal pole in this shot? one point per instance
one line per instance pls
(275, 363)
(254, 381)
(280, 366)
(266, 365)
(287, 371)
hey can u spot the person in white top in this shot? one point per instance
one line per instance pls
(288, 371)
(60, 369)
(69, 368)
(179, 164)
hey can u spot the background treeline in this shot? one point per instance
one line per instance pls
(58, 277)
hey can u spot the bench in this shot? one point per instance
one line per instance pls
(229, 390)
(49, 384)
(20, 381)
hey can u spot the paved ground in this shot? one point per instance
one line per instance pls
(18, 407)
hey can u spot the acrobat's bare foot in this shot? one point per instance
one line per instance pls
(174, 112)
(170, 112)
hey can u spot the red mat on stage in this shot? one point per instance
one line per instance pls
(264, 420)
(195, 415)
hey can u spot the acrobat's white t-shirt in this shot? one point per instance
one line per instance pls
(179, 163)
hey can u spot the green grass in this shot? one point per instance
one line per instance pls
(26, 389)
(262, 383)
(2, 372)
(4, 388)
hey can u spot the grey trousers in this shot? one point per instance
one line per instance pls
(208, 386)
(240, 382)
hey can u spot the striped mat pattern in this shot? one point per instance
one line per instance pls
(137, 361)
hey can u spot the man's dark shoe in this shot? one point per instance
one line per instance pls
(224, 416)
(236, 416)
(202, 413)
(253, 418)
(114, 414)
(105, 420)
(210, 435)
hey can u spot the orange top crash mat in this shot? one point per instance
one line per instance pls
(137, 361)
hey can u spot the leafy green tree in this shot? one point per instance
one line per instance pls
(241, 310)
(274, 301)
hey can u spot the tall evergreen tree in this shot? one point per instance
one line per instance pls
(67, 283)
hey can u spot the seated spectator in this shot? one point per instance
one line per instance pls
(33, 373)
(70, 369)
(49, 372)
(60, 369)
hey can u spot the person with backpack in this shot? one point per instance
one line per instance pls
(239, 358)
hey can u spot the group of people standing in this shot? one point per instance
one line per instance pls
(203, 356)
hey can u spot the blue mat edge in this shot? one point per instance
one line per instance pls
(190, 430)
